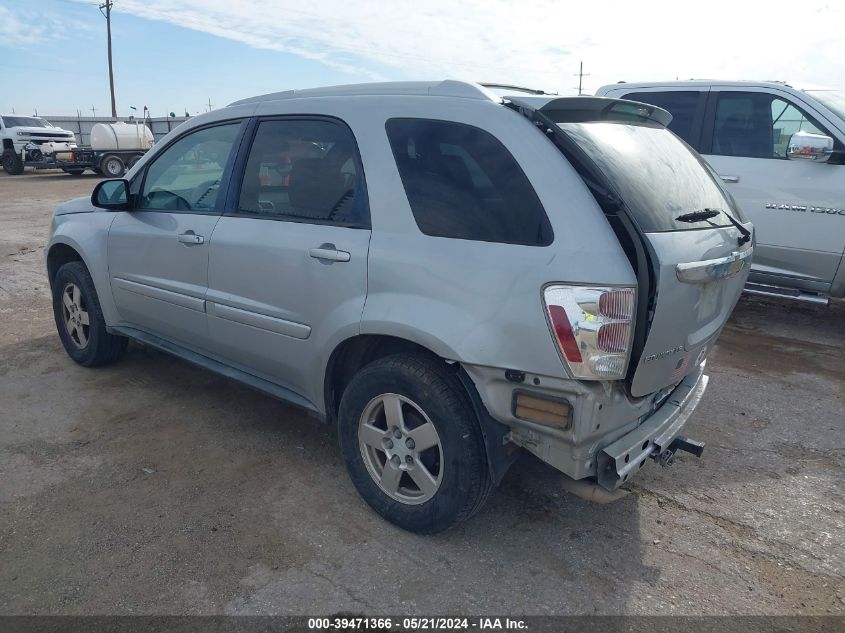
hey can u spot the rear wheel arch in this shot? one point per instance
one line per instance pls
(354, 353)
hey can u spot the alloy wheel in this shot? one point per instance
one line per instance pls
(401, 448)
(75, 313)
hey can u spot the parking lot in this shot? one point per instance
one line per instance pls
(155, 487)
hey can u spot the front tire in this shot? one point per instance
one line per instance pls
(12, 163)
(79, 319)
(412, 444)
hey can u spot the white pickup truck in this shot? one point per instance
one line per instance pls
(29, 139)
(781, 153)
(34, 142)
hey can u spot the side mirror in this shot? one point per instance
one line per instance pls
(112, 195)
(806, 146)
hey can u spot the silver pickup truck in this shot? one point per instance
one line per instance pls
(781, 152)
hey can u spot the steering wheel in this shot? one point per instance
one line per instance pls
(202, 191)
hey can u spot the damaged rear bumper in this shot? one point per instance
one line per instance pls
(658, 437)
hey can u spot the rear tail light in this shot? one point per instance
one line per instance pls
(593, 327)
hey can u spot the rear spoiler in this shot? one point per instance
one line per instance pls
(588, 109)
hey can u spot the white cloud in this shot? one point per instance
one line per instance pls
(534, 42)
(16, 30)
(26, 27)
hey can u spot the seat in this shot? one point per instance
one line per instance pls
(316, 188)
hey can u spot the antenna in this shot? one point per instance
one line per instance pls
(581, 74)
(209, 104)
(107, 5)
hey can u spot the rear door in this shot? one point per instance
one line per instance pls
(158, 252)
(288, 260)
(794, 204)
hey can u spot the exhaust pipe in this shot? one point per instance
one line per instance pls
(591, 491)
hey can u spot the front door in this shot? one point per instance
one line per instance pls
(796, 205)
(288, 259)
(158, 252)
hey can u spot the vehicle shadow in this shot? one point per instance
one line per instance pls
(57, 174)
(222, 458)
(209, 497)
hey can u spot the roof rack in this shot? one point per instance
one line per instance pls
(533, 91)
(447, 88)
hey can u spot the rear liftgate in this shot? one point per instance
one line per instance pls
(691, 257)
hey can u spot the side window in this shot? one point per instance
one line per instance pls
(757, 125)
(462, 183)
(304, 170)
(186, 176)
(683, 105)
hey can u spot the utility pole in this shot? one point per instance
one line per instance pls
(581, 74)
(107, 5)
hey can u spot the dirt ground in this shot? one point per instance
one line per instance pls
(154, 487)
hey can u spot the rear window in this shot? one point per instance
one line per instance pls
(462, 183)
(658, 177)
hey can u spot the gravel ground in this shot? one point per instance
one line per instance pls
(154, 487)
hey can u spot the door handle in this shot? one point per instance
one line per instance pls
(729, 178)
(714, 269)
(328, 253)
(190, 238)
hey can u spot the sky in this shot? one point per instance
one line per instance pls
(177, 55)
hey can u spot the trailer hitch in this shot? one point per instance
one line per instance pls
(680, 443)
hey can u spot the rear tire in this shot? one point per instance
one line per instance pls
(412, 444)
(112, 166)
(12, 163)
(79, 319)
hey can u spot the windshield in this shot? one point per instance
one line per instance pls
(659, 178)
(24, 121)
(833, 99)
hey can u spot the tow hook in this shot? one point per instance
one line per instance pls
(667, 456)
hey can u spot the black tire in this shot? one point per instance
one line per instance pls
(112, 166)
(74, 172)
(12, 163)
(431, 385)
(101, 348)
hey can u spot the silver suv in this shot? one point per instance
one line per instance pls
(448, 276)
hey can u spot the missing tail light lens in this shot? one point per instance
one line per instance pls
(593, 327)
